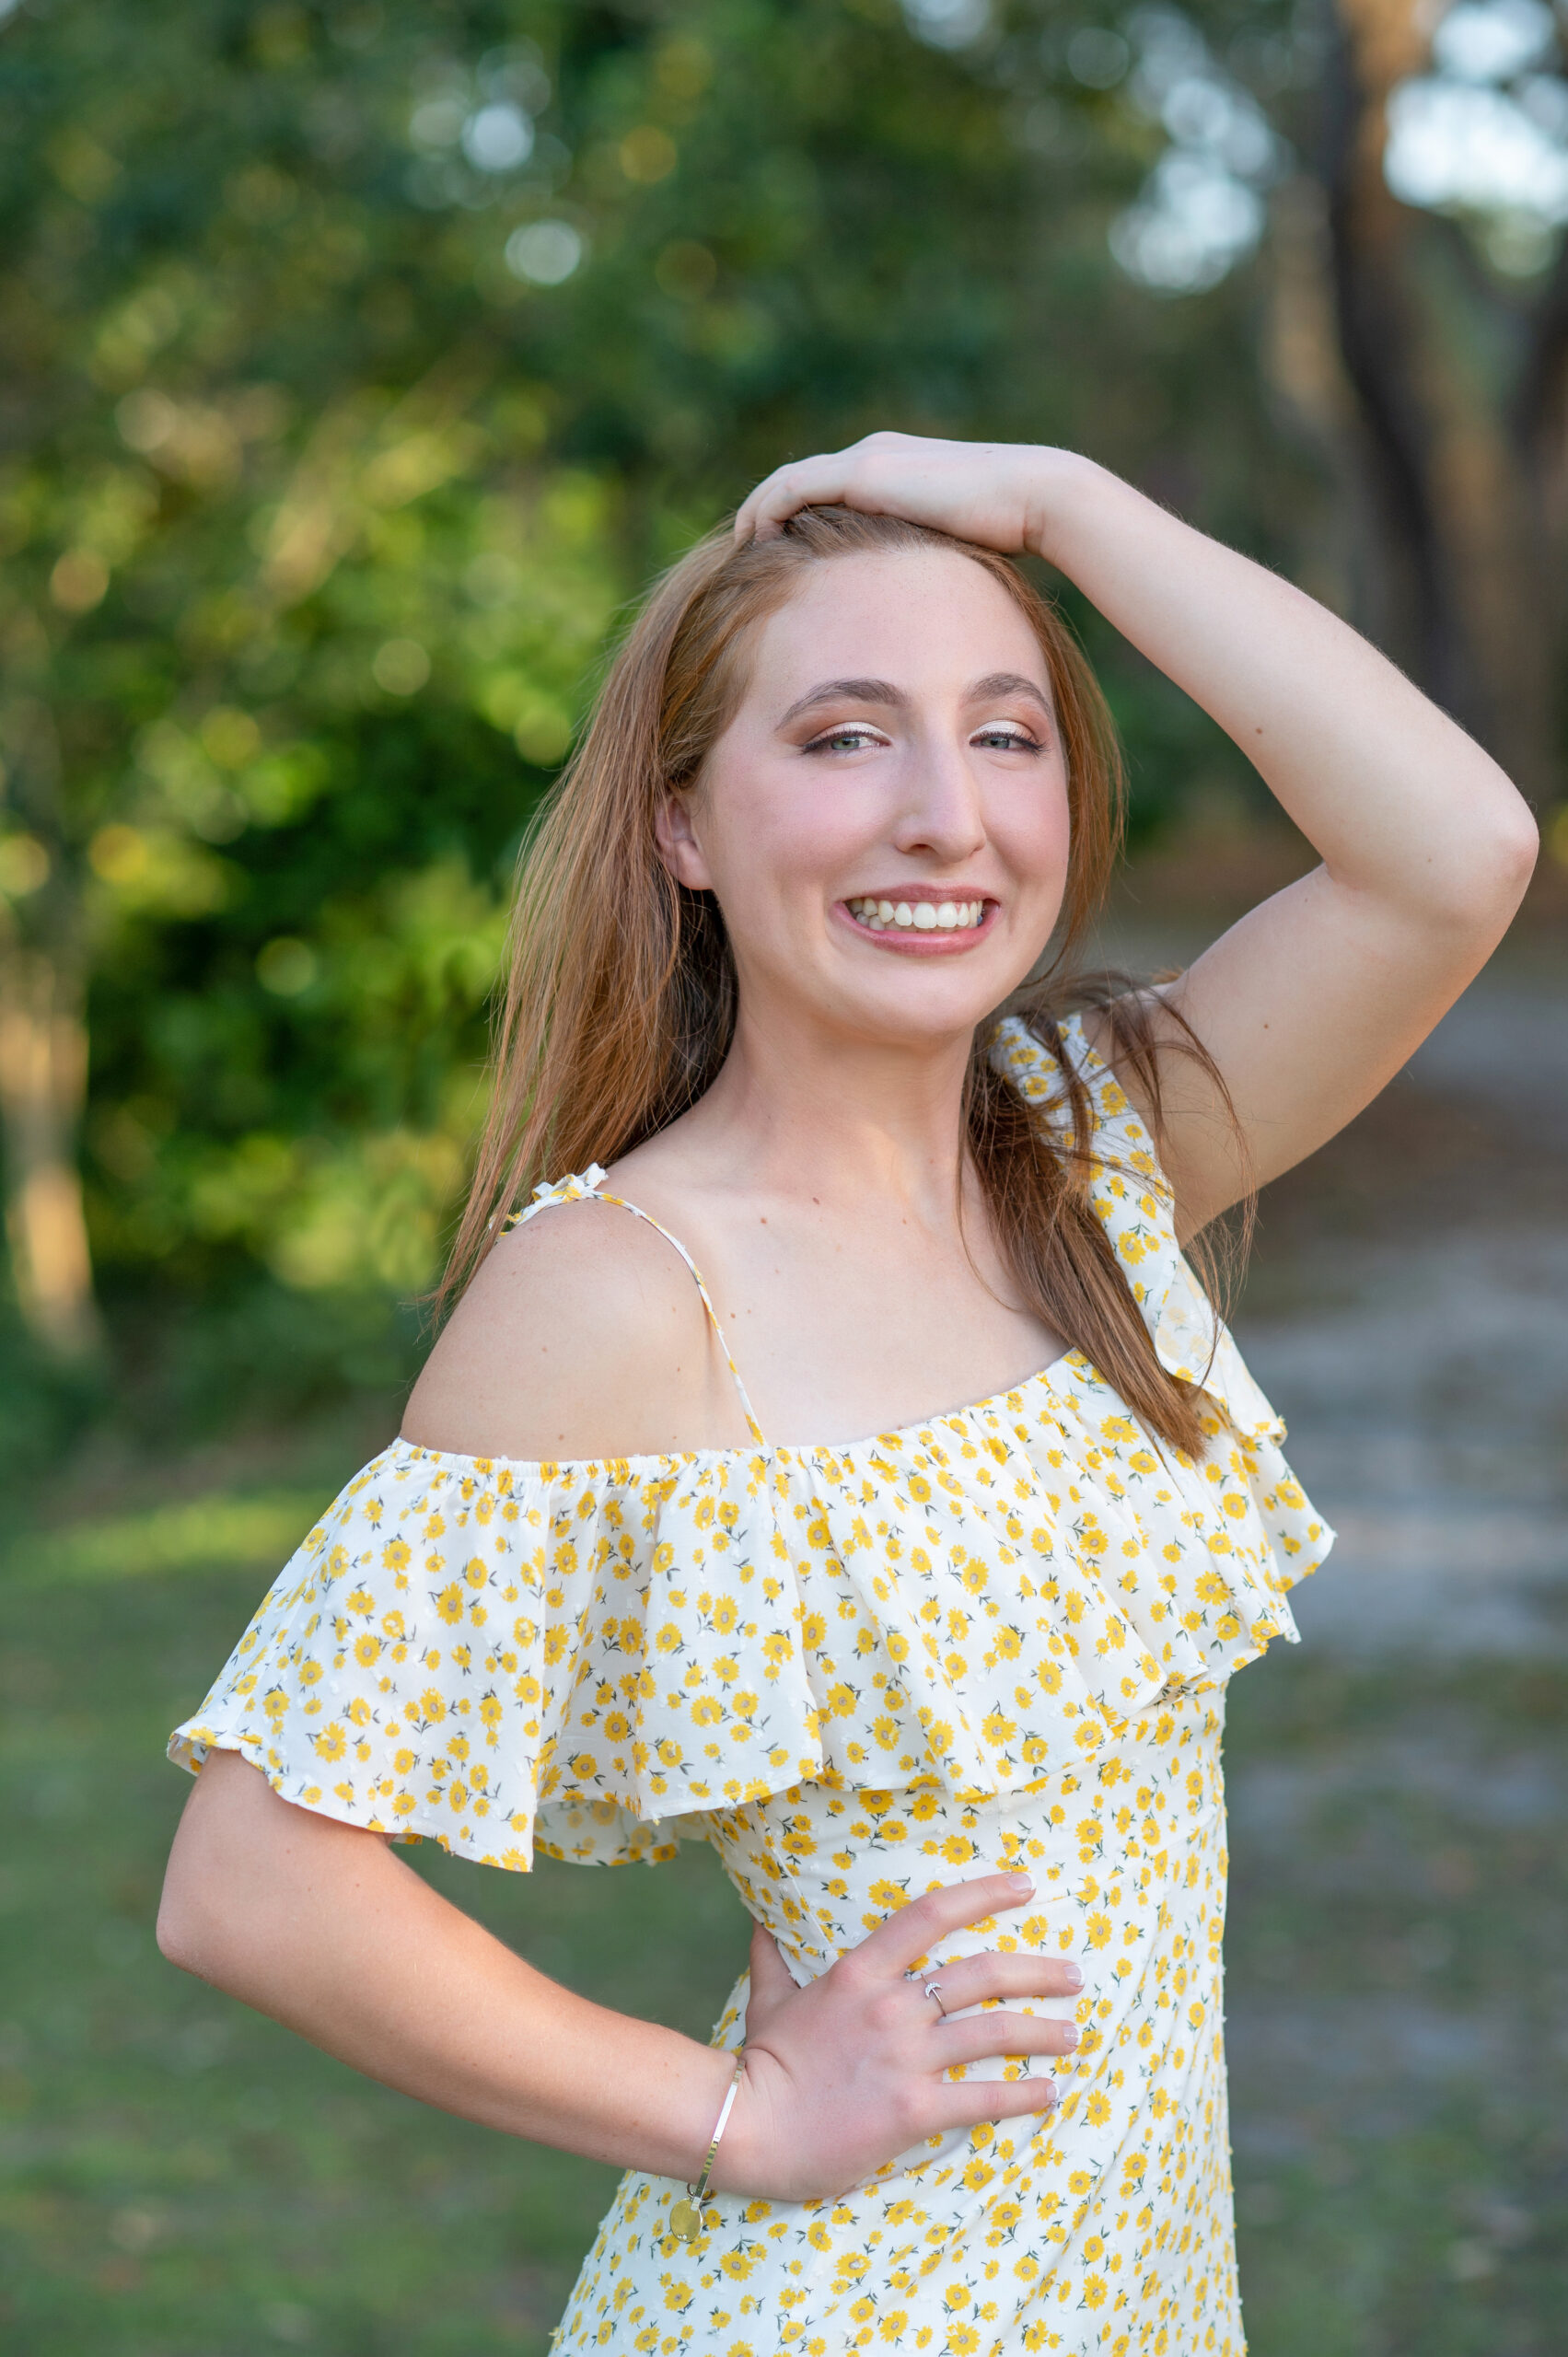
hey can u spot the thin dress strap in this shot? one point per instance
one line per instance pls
(590, 1184)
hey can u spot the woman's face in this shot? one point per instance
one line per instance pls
(884, 820)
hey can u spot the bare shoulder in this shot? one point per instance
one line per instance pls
(582, 1335)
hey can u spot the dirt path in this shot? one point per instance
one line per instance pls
(1398, 1788)
(1409, 1312)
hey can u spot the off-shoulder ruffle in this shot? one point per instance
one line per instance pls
(582, 1655)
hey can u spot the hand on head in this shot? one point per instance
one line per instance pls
(990, 492)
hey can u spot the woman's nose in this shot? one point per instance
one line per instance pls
(941, 812)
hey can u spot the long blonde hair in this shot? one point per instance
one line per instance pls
(620, 990)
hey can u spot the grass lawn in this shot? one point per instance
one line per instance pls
(180, 2178)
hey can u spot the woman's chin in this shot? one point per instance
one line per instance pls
(934, 1014)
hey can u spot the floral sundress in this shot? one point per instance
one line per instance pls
(998, 1638)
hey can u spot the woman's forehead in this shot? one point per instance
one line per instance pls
(919, 616)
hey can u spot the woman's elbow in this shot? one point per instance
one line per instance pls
(1517, 851)
(1476, 892)
(178, 1939)
(190, 1920)
(211, 1866)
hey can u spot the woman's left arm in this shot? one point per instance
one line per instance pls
(1314, 1000)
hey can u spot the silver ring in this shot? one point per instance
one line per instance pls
(933, 1989)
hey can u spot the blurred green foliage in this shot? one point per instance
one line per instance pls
(363, 360)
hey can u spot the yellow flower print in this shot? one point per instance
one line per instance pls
(969, 1718)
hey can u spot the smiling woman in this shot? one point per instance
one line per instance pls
(778, 793)
(657, 1559)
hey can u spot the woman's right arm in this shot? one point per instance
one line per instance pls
(323, 1926)
(319, 1925)
(582, 1334)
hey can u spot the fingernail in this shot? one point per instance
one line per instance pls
(1020, 1886)
(1072, 1975)
(1069, 2036)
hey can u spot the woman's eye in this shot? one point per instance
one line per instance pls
(1010, 740)
(838, 739)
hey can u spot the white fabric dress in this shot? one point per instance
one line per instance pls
(998, 1638)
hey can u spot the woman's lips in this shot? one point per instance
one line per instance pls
(932, 922)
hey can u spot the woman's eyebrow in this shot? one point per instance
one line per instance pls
(845, 691)
(883, 692)
(1009, 683)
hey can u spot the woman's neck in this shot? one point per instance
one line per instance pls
(800, 1112)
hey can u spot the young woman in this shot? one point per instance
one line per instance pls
(943, 1683)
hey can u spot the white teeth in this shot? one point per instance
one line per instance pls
(919, 916)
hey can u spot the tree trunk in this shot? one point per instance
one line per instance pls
(44, 1066)
(1462, 587)
(43, 1057)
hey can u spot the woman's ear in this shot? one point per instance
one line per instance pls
(679, 847)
